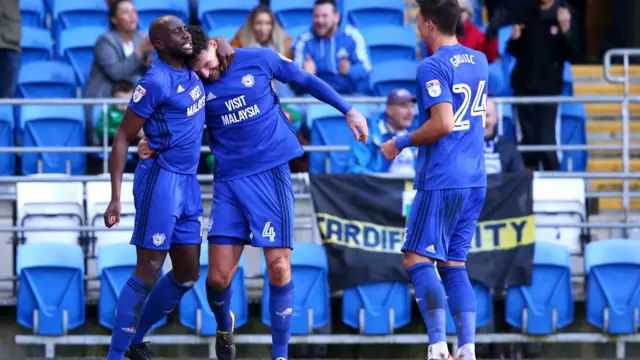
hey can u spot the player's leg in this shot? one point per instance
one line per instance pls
(267, 200)
(228, 233)
(154, 219)
(461, 298)
(426, 242)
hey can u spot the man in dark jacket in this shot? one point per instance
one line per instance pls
(10, 36)
(542, 40)
(500, 155)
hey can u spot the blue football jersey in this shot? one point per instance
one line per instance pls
(458, 75)
(172, 101)
(248, 131)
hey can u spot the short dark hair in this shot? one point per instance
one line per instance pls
(113, 10)
(323, 2)
(445, 14)
(121, 86)
(199, 41)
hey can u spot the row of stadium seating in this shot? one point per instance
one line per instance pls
(51, 296)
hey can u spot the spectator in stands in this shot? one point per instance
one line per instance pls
(262, 30)
(395, 121)
(339, 57)
(541, 41)
(10, 36)
(500, 155)
(471, 36)
(122, 53)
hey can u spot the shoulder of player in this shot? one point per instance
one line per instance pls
(155, 80)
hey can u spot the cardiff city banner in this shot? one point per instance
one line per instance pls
(362, 222)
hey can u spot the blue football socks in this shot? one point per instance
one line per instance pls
(462, 302)
(281, 309)
(431, 299)
(220, 304)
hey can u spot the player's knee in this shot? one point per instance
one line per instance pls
(279, 271)
(149, 271)
(187, 277)
(218, 279)
(411, 259)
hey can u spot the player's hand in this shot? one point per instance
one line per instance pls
(112, 215)
(144, 151)
(309, 66)
(344, 65)
(564, 19)
(225, 53)
(389, 150)
(358, 125)
(516, 31)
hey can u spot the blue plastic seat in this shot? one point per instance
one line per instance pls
(36, 44)
(214, 14)
(292, 13)
(227, 32)
(484, 308)
(195, 312)
(612, 267)
(310, 271)
(546, 305)
(329, 127)
(504, 34)
(377, 308)
(76, 45)
(7, 139)
(46, 79)
(115, 263)
(508, 122)
(68, 14)
(32, 13)
(53, 125)
(296, 31)
(390, 42)
(393, 74)
(567, 80)
(497, 82)
(573, 131)
(149, 10)
(51, 293)
(363, 13)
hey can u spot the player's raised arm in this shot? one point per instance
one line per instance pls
(287, 71)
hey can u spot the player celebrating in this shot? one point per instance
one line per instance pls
(168, 101)
(450, 180)
(253, 142)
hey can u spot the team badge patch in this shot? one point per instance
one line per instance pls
(433, 88)
(138, 93)
(248, 80)
(158, 239)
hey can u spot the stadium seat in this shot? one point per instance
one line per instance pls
(573, 131)
(68, 14)
(218, 14)
(116, 263)
(363, 13)
(98, 198)
(50, 298)
(377, 308)
(613, 272)
(310, 271)
(567, 80)
(46, 79)
(7, 123)
(195, 312)
(295, 31)
(393, 74)
(149, 10)
(547, 304)
(227, 32)
(328, 127)
(508, 121)
(484, 308)
(32, 13)
(36, 44)
(53, 125)
(390, 42)
(292, 13)
(504, 34)
(76, 46)
(497, 82)
(559, 201)
(52, 204)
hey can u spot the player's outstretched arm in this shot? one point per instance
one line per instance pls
(129, 128)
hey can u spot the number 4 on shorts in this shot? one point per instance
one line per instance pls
(268, 231)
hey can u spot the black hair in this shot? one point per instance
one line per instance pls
(121, 86)
(445, 14)
(199, 41)
(113, 10)
(323, 2)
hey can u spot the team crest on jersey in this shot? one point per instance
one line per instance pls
(248, 80)
(138, 93)
(433, 88)
(158, 239)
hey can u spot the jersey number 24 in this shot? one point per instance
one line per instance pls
(478, 108)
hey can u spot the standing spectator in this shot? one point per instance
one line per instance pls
(122, 53)
(339, 57)
(541, 41)
(395, 121)
(500, 155)
(262, 30)
(10, 36)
